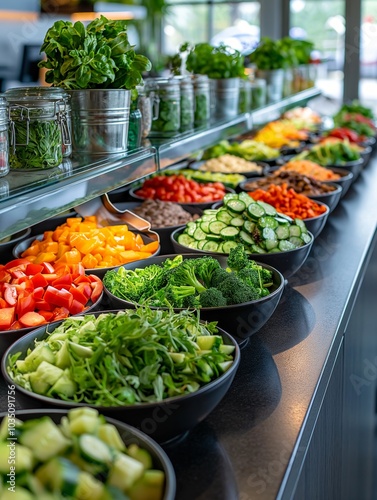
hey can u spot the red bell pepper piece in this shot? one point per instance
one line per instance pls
(6, 317)
(61, 298)
(31, 319)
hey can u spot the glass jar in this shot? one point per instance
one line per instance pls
(187, 102)
(258, 93)
(202, 100)
(39, 128)
(134, 127)
(167, 117)
(4, 142)
(144, 103)
(244, 100)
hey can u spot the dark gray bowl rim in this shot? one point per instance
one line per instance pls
(170, 479)
(254, 256)
(199, 204)
(17, 236)
(232, 306)
(68, 404)
(87, 271)
(345, 174)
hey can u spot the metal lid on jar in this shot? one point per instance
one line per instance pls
(162, 83)
(37, 95)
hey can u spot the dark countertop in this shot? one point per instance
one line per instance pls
(253, 444)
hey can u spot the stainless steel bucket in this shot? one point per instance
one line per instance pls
(224, 98)
(275, 83)
(100, 120)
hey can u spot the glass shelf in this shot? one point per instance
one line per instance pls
(27, 198)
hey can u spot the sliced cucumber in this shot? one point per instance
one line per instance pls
(282, 232)
(229, 233)
(184, 239)
(237, 222)
(230, 196)
(298, 242)
(283, 217)
(268, 234)
(301, 224)
(271, 244)
(306, 238)
(216, 227)
(224, 216)
(204, 226)
(269, 209)
(249, 226)
(246, 238)
(245, 198)
(211, 246)
(193, 244)
(201, 244)
(94, 450)
(236, 206)
(257, 249)
(294, 231)
(228, 245)
(268, 221)
(199, 234)
(255, 211)
(210, 211)
(214, 237)
(190, 228)
(285, 245)
(60, 475)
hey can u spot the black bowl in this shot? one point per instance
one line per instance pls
(164, 232)
(201, 206)
(331, 199)
(6, 247)
(128, 434)
(253, 314)
(100, 271)
(365, 154)
(52, 223)
(369, 141)
(7, 337)
(288, 263)
(163, 421)
(352, 166)
(345, 181)
(265, 169)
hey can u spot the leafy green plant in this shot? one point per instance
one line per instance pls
(284, 53)
(98, 56)
(216, 62)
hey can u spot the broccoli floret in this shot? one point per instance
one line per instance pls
(237, 259)
(237, 292)
(176, 294)
(205, 267)
(191, 302)
(212, 298)
(218, 276)
(251, 276)
(184, 274)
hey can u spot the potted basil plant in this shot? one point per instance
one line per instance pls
(224, 66)
(99, 68)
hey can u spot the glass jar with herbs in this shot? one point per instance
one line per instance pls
(4, 142)
(145, 104)
(187, 102)
(244, 100)
(134, 126)
(258, 93)
(167, 118)
(202, 100)
(39, 128)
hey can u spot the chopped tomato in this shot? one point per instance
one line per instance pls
(25, 304)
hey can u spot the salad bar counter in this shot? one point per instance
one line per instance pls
(276, 401)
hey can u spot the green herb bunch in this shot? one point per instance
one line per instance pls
(283, 53)
(96, 56)
(216, 62)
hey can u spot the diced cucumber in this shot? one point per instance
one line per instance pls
(286, 245)
(199, 234)
(236, 206)
(246, 238)
(141, 455)
(80, 350)
(229, 233)
(227, 246)
(23, 458)
(282, 232)
(301, 224)
(4, 427)
(109, 434)
(38, 385)
(225, 365)
(45, 438)
(216, 227)
(63, 359)
(185, 239)
(22, 366)
(89, 487)
(269, 209)
(211, 246)
(255, 211)
(268, 221)
(79, 412)
(64, 386)
(298, 242)
(150, 486)
(124, 472)
(84, 424)
(249, 226)
(48, 373)
(209, 341)
(94, 450)
(18, 494)
(224, 216)
(237, 222)
(60, 475)
(177, 357)
(227, 349)
(294, 231)
(112, 493)
(41, 352)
